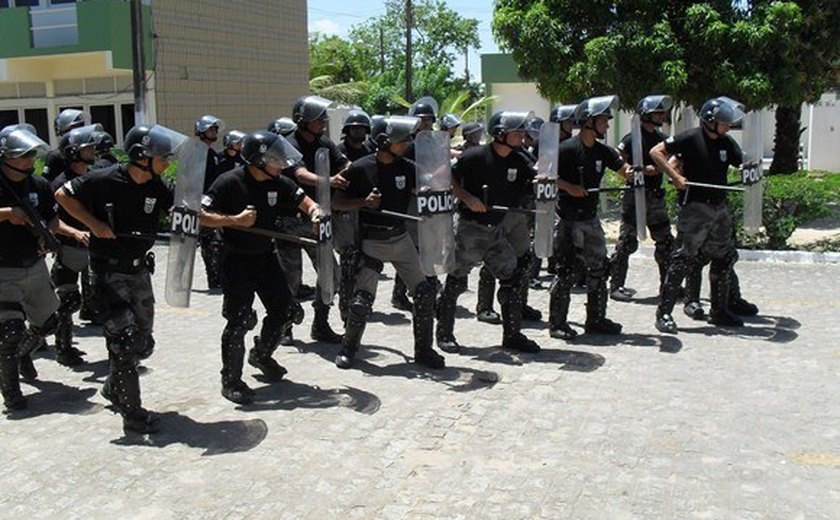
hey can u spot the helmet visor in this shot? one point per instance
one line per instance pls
(401, 128)
(21, 142)
(315, 108)
(731, 112)
(163, 142)
(659, 103)
(602, 106)
(282, 154)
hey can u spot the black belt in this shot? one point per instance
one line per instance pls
(118, 265)
(20, 263)
(380, 232)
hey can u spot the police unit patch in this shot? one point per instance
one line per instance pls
(33, 199)
(599, 166)
(399, 182)
(272, 198)
(723, 156)
(149, 206)
(511, 176)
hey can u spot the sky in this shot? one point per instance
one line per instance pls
(337, 16)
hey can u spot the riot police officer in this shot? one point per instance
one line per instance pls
(705, 222)
(583, 160)
(104, 147)
(252, 196)
(653, 111)
(355, 131)
(385, 180)
(26, 293)
(231, 157)
(282, 126)
(122, 206)
(67, 120)
(310, 115)
(79, 149)
(495, 174)
(207, 128)
(472, 134)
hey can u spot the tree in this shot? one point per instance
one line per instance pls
(761, 52)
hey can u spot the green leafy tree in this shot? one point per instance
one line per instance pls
(760, 52)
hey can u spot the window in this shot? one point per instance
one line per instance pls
(27, 3)
(37, 117)
(104, 115)
(127, 112)
(8, 117)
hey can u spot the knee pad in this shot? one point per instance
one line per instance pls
(70, 302)
(361, 305)
(244, 317)
(720, 266)
(11, 334)
(62, 275)
(129, 341)
(424, 298)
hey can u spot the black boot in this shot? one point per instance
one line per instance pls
(399, 298)
(261, 357)
(233, 354)
(737, 304)
(65, 353)
(321, 330)
(510, 297)
(484, 298)
(444, 332)
(720, 314)
(361, 304)
(9, 383)
(558, 312)
(596, 313)
(423, 324)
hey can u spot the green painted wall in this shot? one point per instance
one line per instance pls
(499, 68)
(103, 25)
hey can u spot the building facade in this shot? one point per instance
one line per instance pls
(245, 62)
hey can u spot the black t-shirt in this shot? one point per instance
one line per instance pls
(396, 182)
(67, 175)
(137, 207)
(211, 169)
(509, 180)
(705, 160)
(18, 244)
(104, 161)
(308, 150)
(227, 163)
(355, 154)
(649, 140)
(54, 164)
(237, 189)
(585, 167)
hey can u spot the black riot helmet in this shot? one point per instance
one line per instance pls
(357, 117)
(393, 129)
(142, 143)
(311, 108)
(652, 104)
(424, 107)
(233, 138)
(282, 126)
(533, 127)
(265, 148)
(562, 113)
(206, 122)
(104, 141)
(68, 119)
(720, 110)
(449, 122)
(589, 109)
(20, 140)
(73, 142)
(471, 129)
(503, 122)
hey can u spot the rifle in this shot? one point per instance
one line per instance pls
(39, 226)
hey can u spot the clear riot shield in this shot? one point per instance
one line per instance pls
(545, 190)
(324, 251)
(436, 236)
(189, 185)
(752, 171)
(337, 117)
(638, 177)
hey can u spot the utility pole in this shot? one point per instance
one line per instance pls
(409, 23)
(466, 66)
(381, 48)
(139, 62)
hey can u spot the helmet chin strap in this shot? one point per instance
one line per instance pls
(501, 141)
(591, 127)
(24, 171)
(712, 129)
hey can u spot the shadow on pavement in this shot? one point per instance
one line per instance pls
(289, 395)
(570, 360)
(53, 397)
(390, 318)
(215, 438)
(665, 343)
(775, 329)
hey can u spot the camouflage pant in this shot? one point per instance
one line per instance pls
(660, 230)
(587, 238)
(212, 246)
(476, 243)
(289, 254)
(27, 293)
(127, 301)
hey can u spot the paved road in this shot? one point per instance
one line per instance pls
(712, 424)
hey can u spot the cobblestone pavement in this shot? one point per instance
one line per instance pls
(710, 423)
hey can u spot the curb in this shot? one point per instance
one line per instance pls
(758, 255)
